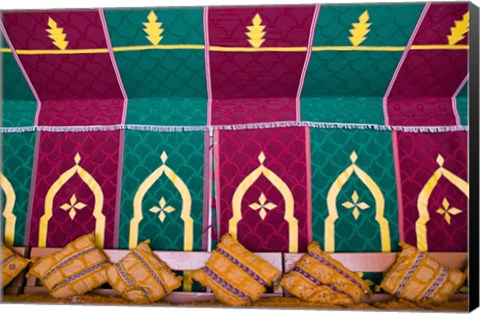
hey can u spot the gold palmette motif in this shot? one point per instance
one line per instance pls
(56, 34)
(153, 29)
(255, 32)
(360, 30)
(186, 203)
(459, 31)
(332, 205)
(10, 218)
(92, 184)
(424, 197)
(284, 190)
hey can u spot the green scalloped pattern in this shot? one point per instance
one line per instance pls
(330, 156)
(164, 87)
(462, 104)
(19, 105)
(142, 157)
(348, 86)
(18, 151)
(391, 24)
(180, 26)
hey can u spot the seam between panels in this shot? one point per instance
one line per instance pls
(454, 100)
(307, 62)
(400, 63)
(208, 144)
(122, 132)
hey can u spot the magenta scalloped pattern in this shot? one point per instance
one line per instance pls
(258, 86)
(417, 160)
(286, 26)
(81, 112)
(27, 30)
(99, 153)
(68, 77)
(427, 80)
(254, 87)
(437, 23)
(284, 149)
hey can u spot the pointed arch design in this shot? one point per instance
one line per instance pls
(10, 218)
(424, 197)
(92, 184)
(186, 204)
(332, 205)
(284, 190)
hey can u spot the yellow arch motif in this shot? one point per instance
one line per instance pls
(186, 204)
(97, 210)
(424, 197)
(332, 205)
(10, 218)
(284, 190)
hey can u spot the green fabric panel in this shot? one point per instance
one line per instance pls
(330, 156)
(348, 86)
(391, 24)
(185, 152)
(343, 109)
(19, 105)
(462, 104)
(164, 87)
(167, 111)
(373, 280)
(180, 26)
(17, 161)
(196, 286)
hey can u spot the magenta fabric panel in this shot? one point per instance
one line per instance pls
(422, 90)
(264, 175)
(81, 112)
(262, 84)
(62, 79)
(420, 156)
(83, 183)
(285, 26)
(27, 30)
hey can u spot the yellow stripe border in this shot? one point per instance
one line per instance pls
(233, 49)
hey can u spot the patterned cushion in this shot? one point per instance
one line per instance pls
(418, 277)
(76, 269)
(235, 275)
(317, 277)
(12, 264)
(142, 277)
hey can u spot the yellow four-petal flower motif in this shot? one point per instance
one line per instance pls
(448, 211)
(262, 205)
(162, 209)
(355, 205)
(73, 206)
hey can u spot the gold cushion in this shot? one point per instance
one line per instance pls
(142, 277)
(317, 277)
(418, 277)
(12, 265)
(74, 270)
(235, 275)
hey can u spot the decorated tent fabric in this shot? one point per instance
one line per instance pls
(343, 124)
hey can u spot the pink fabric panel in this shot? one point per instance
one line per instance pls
(257, 86)
(69, 85)
(237, 156)
(422, 90)
(99, 153)
(418, 153)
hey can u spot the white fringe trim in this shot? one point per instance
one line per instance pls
(233, 127)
